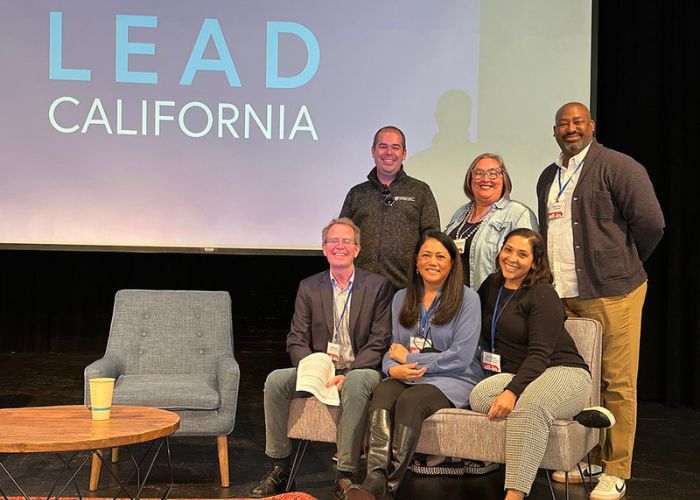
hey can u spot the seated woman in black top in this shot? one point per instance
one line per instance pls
(540, 375)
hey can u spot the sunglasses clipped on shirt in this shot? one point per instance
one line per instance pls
(388, 197)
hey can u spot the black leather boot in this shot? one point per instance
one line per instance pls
(378, 458)
(402, 448)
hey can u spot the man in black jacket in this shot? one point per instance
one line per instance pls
(391, 209)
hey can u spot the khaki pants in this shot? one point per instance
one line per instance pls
(621, 317)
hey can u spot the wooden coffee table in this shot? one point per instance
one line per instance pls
(71, 428)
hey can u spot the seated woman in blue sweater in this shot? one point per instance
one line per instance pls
(539, 374)
(430, 365)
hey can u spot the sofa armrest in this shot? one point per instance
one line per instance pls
(107, 366)
(228, 375)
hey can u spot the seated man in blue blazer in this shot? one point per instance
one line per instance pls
(345, 312)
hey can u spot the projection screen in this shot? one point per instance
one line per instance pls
(240, 125)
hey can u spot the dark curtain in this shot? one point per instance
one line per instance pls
(648, 108)
(62, 301)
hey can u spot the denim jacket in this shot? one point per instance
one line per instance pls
(505, 216)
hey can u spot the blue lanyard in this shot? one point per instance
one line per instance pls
(562, 188)
(427, 316)
(342, 314)
(496, 316)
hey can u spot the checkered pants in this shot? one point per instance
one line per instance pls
(560, 392)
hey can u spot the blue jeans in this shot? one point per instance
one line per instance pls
(357, 389)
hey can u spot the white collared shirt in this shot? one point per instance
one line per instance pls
(341, 333)
(560, 234)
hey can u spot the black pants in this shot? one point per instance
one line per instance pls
(408, 404)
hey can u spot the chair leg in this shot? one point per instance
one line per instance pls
(566, 486)
(115, 455)
(222, 449)
(551, 489)
(95, 469)
(588, 487)
(296, 463)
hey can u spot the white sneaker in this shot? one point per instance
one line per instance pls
(609, 488)
(575, 476)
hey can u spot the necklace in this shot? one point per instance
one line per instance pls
(473, 226)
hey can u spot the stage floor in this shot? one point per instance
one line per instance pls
(666, 461)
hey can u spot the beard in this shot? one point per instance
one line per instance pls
(572, 148)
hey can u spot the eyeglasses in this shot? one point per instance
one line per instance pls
(334, 242)
(388, 197)
(492, 173)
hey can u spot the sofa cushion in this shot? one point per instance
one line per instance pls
(170, 392)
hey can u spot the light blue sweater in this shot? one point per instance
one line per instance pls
(455, 370)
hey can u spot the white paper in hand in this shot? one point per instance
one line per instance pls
(313, 373)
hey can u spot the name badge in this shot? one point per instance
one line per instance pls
(491, 361)
(461, 244)
(417, 344)
(333, 351)
(556, 210)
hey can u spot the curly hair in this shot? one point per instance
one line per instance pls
(540, 271)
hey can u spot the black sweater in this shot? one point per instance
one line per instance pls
(389, 230)
(530, 334)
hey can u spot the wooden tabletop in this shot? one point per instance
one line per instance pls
(71, 428)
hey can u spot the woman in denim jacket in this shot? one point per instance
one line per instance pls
(480, 227)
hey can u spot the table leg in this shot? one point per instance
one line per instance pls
(140, 483)
(66, 466)
(98, 458)
(170, 469)
(95, 469)
(2, 466)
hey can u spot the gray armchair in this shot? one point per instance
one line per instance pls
(174, 350)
